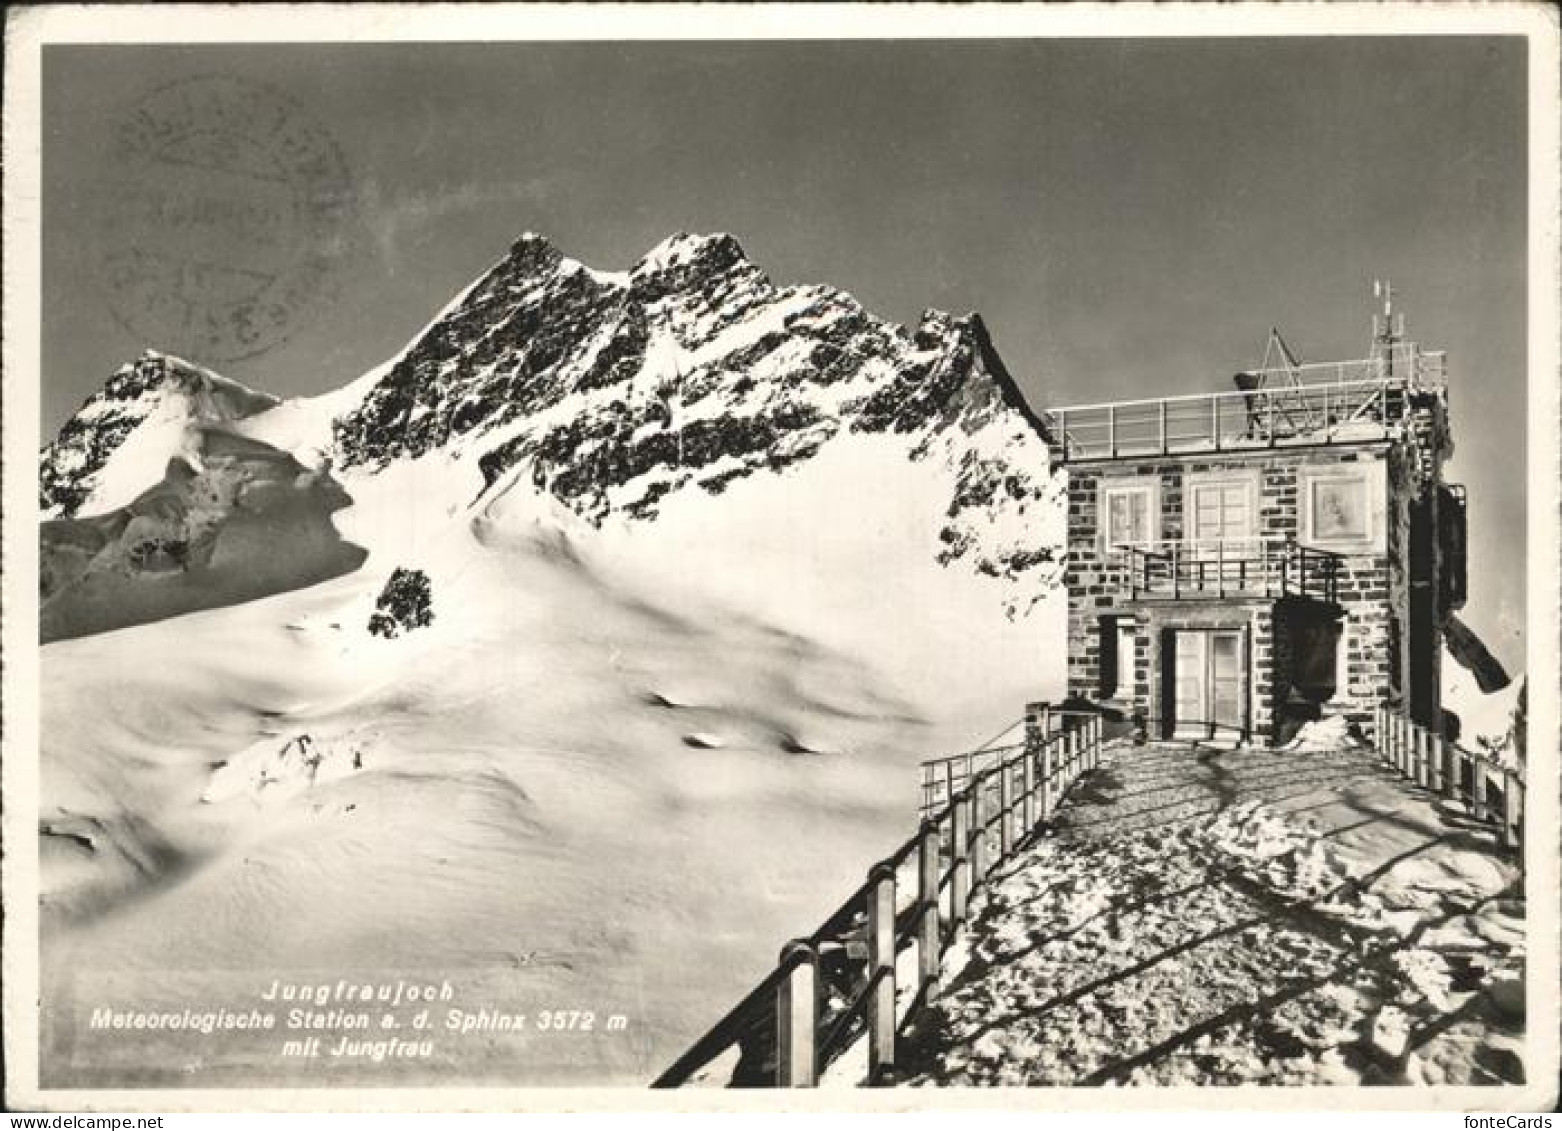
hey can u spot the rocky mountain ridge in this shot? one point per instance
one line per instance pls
(611, 392)
(614, 393)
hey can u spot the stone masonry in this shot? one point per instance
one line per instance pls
(1390, 599)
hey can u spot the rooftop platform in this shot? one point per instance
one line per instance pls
(1335, 402)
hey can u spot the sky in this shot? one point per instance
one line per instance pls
(1129, 216)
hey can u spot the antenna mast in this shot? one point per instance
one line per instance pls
(1388, 329)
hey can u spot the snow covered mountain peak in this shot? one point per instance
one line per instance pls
(687, 254)
(121, 439)
(613, 393)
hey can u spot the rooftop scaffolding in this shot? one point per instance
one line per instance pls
(1282, 406)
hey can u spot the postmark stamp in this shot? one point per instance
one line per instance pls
(230, 218)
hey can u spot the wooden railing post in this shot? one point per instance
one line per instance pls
(979, 849)
(1030, 788)
(1511, 792)
(1423, 757)
(930, 942)
(1046, 779)
(960, 879)
(1005, 809)
(1450, 754)
(797, 1019)
(1478, 790)
(881, 965)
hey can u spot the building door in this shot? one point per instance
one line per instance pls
(1207, 682)
(1119, 663)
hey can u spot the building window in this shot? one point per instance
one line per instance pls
(1342, 507)
(1221, 508)
(1130, 514)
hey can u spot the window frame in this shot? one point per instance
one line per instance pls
(1369, 479)
(1147, 485)
(1246, 478)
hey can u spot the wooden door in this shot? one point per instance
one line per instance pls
(1225, 680)
(1190, 660)
(1207, 681)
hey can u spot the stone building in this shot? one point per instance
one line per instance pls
(1241, 561)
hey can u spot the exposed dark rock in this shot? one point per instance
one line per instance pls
(406, 603)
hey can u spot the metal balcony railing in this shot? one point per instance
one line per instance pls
(1328, 403)
(1215, 570)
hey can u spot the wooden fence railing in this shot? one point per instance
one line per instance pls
(843, 982)
(1493, 793)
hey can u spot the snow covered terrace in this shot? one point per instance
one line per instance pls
(1295, 406)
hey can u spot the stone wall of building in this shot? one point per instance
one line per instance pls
(1373, 596)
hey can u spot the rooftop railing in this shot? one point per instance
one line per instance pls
(1328, 403)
